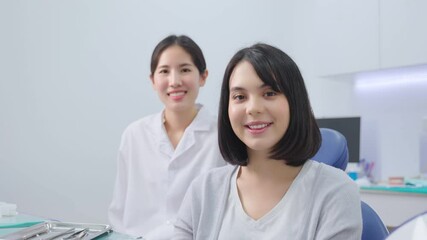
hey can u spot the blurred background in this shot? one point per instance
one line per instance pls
(74, 74)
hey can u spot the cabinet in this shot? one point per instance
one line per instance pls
(395, 208)
(346, 36)
(403, 33)
(364, 35)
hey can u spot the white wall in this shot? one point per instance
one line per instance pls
(387, 35)
(73, 74)
(392, 103)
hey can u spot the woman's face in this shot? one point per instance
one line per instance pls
(177, 80)
(259, 116)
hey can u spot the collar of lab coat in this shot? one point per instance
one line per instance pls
(202, 122)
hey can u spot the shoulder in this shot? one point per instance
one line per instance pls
(143, 124)
(216, 175)
(332, 179)
(204, 120)
(214, 178)
(331, 173)
(332, 186)
(209, 190)
(143, 130)
(333, 189)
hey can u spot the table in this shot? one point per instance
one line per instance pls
(395, 204)
(20, 221)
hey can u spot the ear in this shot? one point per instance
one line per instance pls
(203, 78)
(152, 81)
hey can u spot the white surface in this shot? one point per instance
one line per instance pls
(367, 35)
(392, 118)
(7, 209)
(415, 229)
(395, 208)
(403, 34)
(74, 74)
(423, 149)
(347, 36)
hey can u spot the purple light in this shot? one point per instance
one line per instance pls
(392, 78)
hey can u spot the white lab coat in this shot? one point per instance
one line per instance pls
(152, 176)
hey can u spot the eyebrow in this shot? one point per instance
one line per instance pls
(240, 88)
(181, 65)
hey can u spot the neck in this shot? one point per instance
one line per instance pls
(261, 166)
(179, 121)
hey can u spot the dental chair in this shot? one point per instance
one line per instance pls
(334, 152)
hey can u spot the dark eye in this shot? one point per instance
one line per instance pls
(163, 71)
(186, 70)
(270, 94)
(238, 97)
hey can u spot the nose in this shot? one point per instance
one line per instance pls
(254, 106)
(174, 79)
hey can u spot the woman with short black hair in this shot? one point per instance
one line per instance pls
(274, 191)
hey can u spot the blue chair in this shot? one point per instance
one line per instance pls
(373, 226)
(334, 152)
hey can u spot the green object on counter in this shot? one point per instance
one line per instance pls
(16, 223)
(397, 189)
(19, 221)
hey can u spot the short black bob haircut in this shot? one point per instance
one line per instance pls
(277, 70)
(186, 43)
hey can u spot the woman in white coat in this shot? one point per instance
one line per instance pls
(161, 154)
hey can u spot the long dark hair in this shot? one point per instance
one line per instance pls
(186, 43)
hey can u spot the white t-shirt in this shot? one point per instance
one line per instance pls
(237, 224)
(152, 176)
(322, 203)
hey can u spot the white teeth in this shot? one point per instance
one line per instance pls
(259, 126)
(176, 94)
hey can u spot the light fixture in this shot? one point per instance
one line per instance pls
(392, 78)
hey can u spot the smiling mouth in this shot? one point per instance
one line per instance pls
(258, 126)
(177, 94)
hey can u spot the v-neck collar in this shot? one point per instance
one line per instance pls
(276, 209)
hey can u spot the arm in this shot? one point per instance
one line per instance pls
(202, 209)
(341, 214)
(116, 208)
(184, 223)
